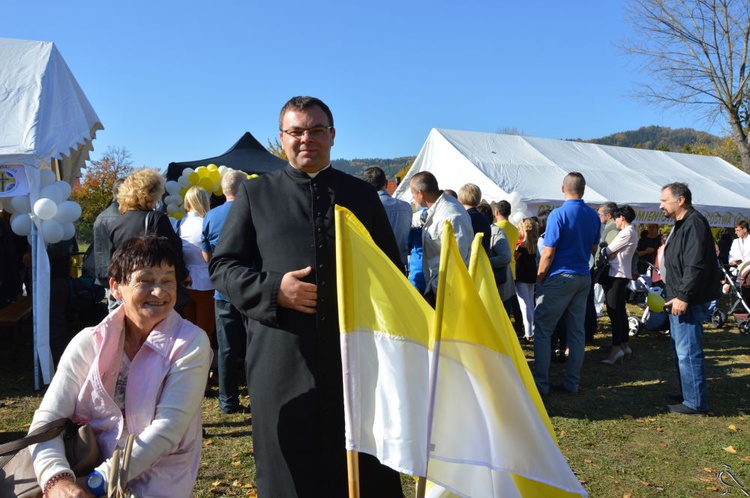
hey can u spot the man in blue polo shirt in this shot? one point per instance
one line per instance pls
(563, 282)
(231, 334)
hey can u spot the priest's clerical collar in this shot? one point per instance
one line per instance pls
(313, 175)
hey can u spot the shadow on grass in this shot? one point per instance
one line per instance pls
(637, 388)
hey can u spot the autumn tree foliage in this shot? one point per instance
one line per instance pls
(94, 193)
(276, 149)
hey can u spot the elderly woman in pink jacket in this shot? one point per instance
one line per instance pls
(141, 371)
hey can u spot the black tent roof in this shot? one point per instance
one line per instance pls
(246, 155)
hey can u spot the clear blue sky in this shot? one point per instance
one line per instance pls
(180, 81)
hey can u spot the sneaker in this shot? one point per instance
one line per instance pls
(683, 409)
(560, 388)
(674, 397)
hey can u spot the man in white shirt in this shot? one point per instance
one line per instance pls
(740, 250)
(440, 207)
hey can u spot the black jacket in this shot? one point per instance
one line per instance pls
(692, 272)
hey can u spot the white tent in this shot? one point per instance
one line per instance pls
(535, 168)
(45, 121)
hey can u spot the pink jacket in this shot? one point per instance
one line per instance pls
(163, 397)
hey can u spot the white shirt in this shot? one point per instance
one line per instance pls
(191, 231)
(740, 249)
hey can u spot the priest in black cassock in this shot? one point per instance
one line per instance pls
(276, 262)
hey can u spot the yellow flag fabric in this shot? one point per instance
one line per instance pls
(385, 350)
(481, 273)
(487, 438)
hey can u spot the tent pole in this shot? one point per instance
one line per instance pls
(34, 304)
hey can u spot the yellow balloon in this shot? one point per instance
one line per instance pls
(214, 175)
(193, 178)
(202, 171)
(205, 184)
(177, 215)
(215, 187)
(183, 191)
(212, 167)
(655, 302)
(253, 176)
(218, 192)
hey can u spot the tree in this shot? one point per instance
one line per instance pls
(697, 50)
(276, 149)
(94, 193)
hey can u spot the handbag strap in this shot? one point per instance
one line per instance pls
(38, 435)
(147, 222)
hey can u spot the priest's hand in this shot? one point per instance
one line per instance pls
(296, 294)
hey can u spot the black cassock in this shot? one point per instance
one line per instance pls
(279, 222)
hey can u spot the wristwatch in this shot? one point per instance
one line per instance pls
(96, 484)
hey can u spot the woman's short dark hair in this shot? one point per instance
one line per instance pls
(145, 251)
(626, 212)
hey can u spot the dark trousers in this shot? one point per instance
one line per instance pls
(231, 335)
(615, 292)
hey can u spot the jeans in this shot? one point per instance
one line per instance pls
(562, 294)
(686, 335)
(525, 294)
(231, 336)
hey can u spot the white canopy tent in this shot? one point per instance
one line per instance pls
(47, 122)
(535, 168)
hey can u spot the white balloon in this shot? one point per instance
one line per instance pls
(68, 212)
(522, 206)
(53, 193)
(21, 204)
(46, 177)
(20, 223)
(173, 188)
(183, 182)
(524, 214)
(187, 171)
(65, 188)
(52, 231)
(45, 209)
(514, 198)
(69, 230)
(223, 169)
(172, 208)
(516, 218)
(6, 205)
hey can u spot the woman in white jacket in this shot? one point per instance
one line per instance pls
(620, 254)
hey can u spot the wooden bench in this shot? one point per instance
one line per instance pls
(11, 315)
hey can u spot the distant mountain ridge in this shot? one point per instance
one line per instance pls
(646, 137)
(659, 138)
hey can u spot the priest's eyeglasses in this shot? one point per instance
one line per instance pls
(315, 132)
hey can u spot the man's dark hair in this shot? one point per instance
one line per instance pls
(626, 212)
(424, 181)
(503, 207)
(575, 183)
(608, 208)
(302, 103)
(741, 224)
(375, 177)
(679, 189)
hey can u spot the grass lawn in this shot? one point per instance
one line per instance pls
(616, 434)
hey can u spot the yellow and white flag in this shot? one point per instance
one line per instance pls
(488, 438)
(385, 351)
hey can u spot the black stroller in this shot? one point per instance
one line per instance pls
(736, 287)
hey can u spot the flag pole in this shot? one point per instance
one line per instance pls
(352, 466)
(421, 487)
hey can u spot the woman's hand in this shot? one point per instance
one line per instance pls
(70, 489)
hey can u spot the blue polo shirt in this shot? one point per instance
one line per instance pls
(572, 229)
(212, 225)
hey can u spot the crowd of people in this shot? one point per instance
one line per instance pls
(254, 279)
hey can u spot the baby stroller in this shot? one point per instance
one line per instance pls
(737, 288)
(649, 320)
